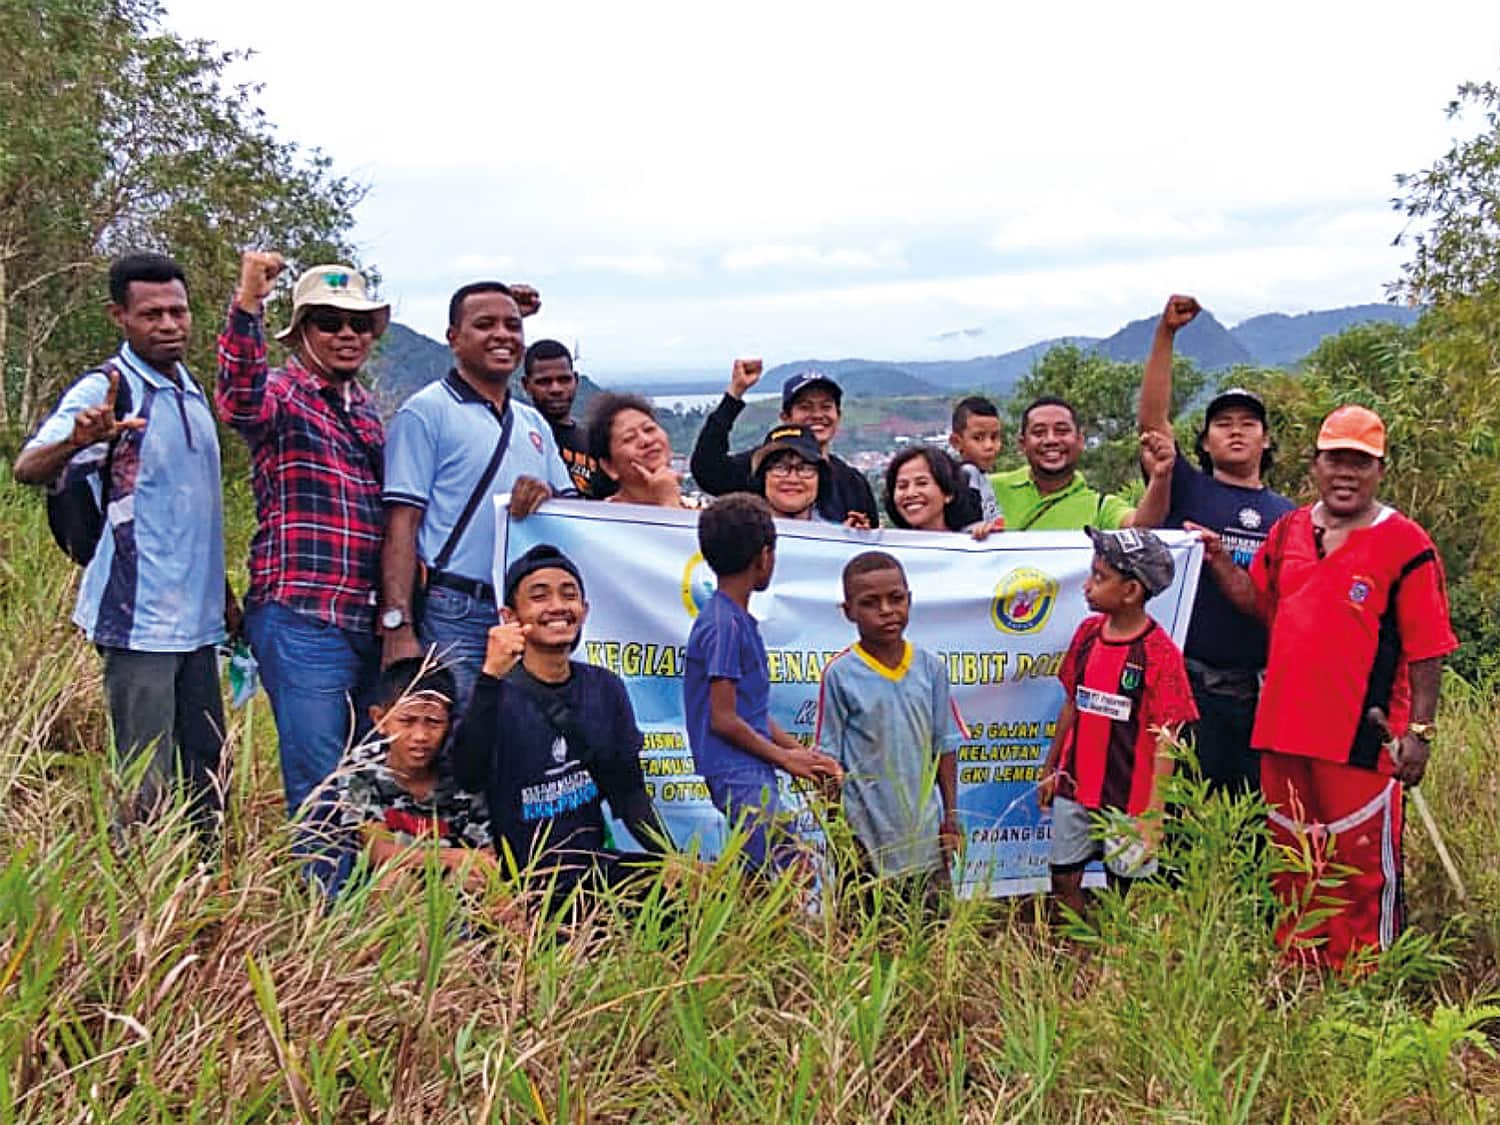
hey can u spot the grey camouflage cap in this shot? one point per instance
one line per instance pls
(1136, 554)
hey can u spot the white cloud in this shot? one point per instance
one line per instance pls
(885, 256)
(682, 175)
(634, 265)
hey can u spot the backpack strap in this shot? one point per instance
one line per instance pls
(557, 713)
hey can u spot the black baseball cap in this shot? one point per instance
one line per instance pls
(798, 439)
(1136, 554)
(543, 556)
(1236, 396)
(805, 379)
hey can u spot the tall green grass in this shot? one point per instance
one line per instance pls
(138, 983)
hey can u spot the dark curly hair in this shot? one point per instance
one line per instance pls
(603, 411)
(733, 530)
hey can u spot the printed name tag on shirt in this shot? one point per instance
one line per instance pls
(1104, 703)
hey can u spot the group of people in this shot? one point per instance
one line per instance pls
(372, 556)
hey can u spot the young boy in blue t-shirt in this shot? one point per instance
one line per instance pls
(737, 746)
(886, 714)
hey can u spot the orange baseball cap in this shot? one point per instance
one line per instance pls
(1353, 427)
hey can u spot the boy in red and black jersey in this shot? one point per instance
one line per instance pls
(1128, 695)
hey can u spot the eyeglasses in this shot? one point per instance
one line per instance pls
(802, 470)
(332, 321)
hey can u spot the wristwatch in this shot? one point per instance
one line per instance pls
(393, 618)
(1424, 731)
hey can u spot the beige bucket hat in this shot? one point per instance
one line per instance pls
(334, 287)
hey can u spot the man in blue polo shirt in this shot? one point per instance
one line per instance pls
(449, 450)
(152, 599)
(1225, 492)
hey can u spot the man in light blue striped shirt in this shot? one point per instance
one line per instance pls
(152, 599)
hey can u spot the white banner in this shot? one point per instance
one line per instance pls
(1000, 613)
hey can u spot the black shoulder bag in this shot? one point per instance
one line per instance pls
(477, 497)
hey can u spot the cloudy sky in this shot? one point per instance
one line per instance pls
(689, 182)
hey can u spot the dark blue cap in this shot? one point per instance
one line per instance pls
(805, 379)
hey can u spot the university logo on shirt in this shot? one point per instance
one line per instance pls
(536, 440)
(1359, 590)
(1130, 678)
(1250, 519)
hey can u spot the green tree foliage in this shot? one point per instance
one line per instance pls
(1453, 210)
(117, 135)
(1103, 391)
(1437, 386)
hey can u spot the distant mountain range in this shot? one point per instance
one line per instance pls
(1272, 340)
(407, 360)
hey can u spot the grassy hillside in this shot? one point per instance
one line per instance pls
(137, 984)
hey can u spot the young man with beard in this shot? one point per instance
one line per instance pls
(453, 446)
(547, 739)
(809, 399)
(552, 384)
(1050, 494)
(315, 440)
(1354, 596)
(152, 599)
(1226, 492)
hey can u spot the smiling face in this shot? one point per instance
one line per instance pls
(488, 341)
(338, 341)
(416, 725)
(636, 442)
(1347, 480)
(155, 320)
(791, 484)
(550, 600)
(917, 496)
(552, 385)
(1051, 441)
(879, 604)
(816, 409)
(1235, 439)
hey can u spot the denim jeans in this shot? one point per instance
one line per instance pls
(458, 626)
(321, 680)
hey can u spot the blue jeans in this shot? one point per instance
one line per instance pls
(319, 677)
(458, 626)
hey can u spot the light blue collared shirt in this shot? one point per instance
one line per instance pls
(156, 582)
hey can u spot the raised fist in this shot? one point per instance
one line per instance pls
(1179, 312)
(504, 646)
(258, 271)
(527, 299)
(1158, 454)
(746, 374)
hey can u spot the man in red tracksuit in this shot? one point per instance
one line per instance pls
(1355, 598)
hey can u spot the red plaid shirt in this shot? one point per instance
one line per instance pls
(317, 487)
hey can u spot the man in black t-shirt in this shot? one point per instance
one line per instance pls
(548, 739)
(1225, 650)
(552, 384)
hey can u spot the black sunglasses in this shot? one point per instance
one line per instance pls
(332, 321)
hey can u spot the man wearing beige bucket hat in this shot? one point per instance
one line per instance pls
(316, 444)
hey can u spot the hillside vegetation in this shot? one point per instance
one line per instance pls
(139, 982)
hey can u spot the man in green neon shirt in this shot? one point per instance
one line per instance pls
(1050, 494)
